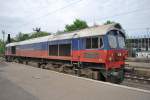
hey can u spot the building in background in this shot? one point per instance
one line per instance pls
(138, 46)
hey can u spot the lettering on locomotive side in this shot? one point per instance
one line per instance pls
(91, 55)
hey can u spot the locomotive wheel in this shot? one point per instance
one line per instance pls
(16, 60)
(6, 59)
(48, 66)
(102, 77)
(19, 60)
(62, 68)
(95, 75)
(42, 66)
(87, 73)
(10, 59)
(25, 62)
(76, 72)
(113, 79)
(66, 69)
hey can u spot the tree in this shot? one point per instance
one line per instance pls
(118, 25)
(109, 22)
(39, 34)
(22, 37)
(60, 32)
(12, 40)
(77, 25)
(2, 49)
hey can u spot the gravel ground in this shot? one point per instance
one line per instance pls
(136, 84)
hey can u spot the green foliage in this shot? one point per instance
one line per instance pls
(118, 25)
(77, 25)
(38, 34)
(109, 22)
(60, 32)
(22, 36)
(12, 40)
(2, 49)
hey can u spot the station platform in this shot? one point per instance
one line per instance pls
(44, 84)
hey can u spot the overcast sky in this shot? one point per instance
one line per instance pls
(52, 15)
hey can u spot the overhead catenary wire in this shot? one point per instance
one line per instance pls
(72, 3)
(116, 15)
(39, 7)
(124, 13)
(49, 13)
(24, 24)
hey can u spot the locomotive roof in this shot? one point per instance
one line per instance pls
(92, 31)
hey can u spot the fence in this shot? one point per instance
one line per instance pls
(138, 44)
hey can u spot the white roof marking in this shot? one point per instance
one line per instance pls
(92, 31)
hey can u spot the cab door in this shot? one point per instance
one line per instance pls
(75, 48)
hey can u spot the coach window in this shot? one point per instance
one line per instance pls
(64, 49)
(88, 43)
(94, 42)
(13, 50)
(53, 50)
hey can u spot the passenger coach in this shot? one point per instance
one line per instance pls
(96, 52)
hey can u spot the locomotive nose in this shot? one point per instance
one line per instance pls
(118, 55)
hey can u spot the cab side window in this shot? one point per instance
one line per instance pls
(100, 42)
(93, 42)
(13, 50)
(53, 50)
(88, 43)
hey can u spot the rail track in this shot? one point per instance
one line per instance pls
(143, 60)
(137, 78)
(137, 74)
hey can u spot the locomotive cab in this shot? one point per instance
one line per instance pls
(116, 46)
(116, 55)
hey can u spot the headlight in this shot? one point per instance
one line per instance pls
(110, 58)
(119, 54)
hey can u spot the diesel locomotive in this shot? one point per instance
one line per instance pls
(96, 52)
